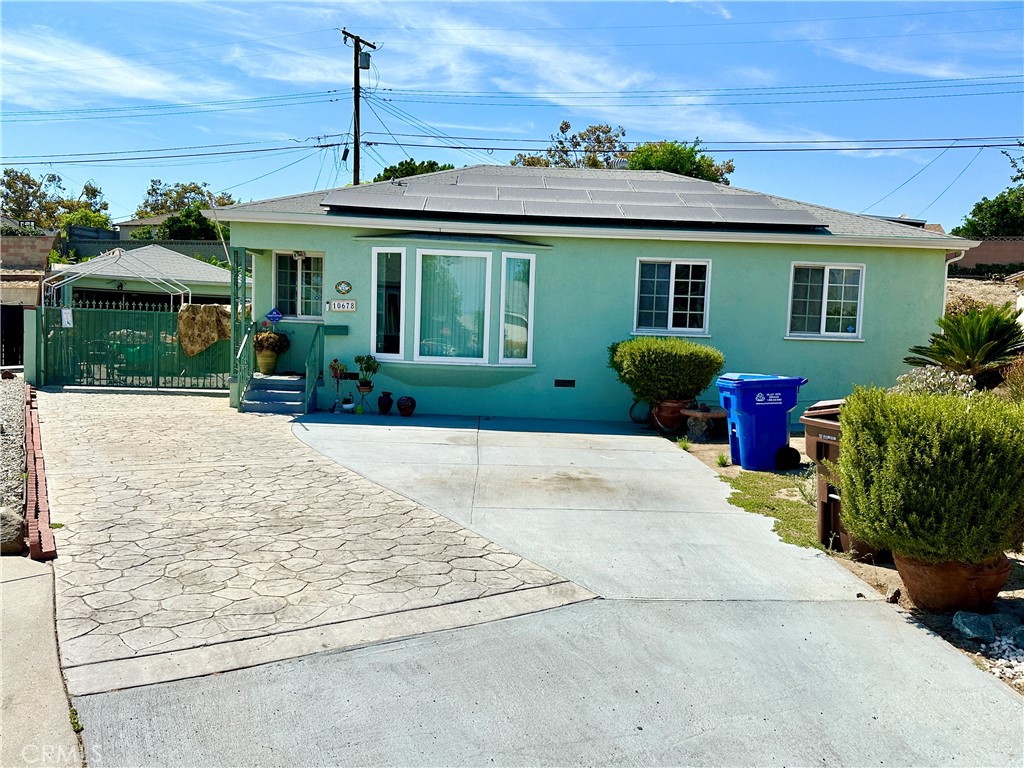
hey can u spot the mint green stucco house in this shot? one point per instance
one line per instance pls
(496, 290)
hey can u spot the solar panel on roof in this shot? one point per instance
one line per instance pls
(497, 180)
(573, 210)
(643, 198)
(563, 182)
(541, 195)
(765, 216)
(452, 190)
(452, 205)
(731, 201)
(686, 214)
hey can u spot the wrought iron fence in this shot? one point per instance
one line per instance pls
(123, 344)
(245, 363)
(314, 369)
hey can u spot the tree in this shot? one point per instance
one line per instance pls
(189, 224)
(679, 157)
(83, 217)
(410, 167)
(594, 147)
(171, 198)
(1002, 216)
(44, 200)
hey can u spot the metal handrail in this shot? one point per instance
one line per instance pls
(314, 369)
(245, 363)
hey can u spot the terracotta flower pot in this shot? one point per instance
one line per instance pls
(666, 416)
(266, 361)
(945, 587)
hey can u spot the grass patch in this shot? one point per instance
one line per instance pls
(683, 443)
(76, 724)
(764, 493)
(56, 526)
(723, 460)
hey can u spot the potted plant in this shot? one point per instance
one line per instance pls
(337, 369)
(665, 373)
(268, 344)
(939, 480)
(368, 367)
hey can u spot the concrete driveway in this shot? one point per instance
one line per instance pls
(714, 643)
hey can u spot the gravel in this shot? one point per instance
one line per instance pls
(12, 442)
(1006, 659)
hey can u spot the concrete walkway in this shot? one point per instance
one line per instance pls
(36, 728)
(198, 540)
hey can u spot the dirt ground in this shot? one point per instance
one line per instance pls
(989, 291)
(884, 579)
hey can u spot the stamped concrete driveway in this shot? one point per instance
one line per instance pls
(714, 644)
(198, 539)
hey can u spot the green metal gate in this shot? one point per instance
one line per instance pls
(125, 345)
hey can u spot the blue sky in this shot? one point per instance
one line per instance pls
(118, 86)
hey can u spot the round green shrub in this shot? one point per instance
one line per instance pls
(657, 369)
(934, 477)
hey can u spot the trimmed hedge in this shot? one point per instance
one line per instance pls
(657, 369)
(934, 477)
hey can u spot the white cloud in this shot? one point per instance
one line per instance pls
(896, 63)
(43, 70)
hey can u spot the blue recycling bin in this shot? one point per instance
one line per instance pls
(757, 407)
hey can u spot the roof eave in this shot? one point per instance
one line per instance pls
(492, 227)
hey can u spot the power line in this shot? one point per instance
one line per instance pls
(904, 85)
(914, 176)
(182, 112)
(106, 160)
(571, 104)
(902, 148)
(954, 181)
(178, 105)
(706, 143)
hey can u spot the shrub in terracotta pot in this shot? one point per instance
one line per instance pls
(666, 373)
(268, 345)
(939, 480)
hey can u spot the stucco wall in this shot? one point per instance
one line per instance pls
(585, 290)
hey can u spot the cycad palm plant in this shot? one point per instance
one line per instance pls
(977, 343)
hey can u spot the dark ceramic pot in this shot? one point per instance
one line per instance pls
(406, 405)
(384, 403)
(946, 587)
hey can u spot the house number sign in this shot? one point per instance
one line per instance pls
(343, 305)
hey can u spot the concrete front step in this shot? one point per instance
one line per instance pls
(290, 408)
(275, 394)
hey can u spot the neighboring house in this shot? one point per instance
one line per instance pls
(23, 262)
(125, 228)
(496, 290)
(149, 275)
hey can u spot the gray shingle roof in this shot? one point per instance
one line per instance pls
(153, 262)
(585, 196)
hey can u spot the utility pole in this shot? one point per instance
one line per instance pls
(357, 64)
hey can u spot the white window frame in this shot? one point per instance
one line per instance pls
(373, 304)
(822, 333)
(485, 345)
(703, 332)
(298, 285)
(528, 360)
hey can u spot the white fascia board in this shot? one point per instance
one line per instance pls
(609, 233)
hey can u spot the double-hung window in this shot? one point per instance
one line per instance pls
(516, 309)
(826, 300)
(388, 316)
(672, 297)
(453, 305)
(298, 278)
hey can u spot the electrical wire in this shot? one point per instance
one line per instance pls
(954, 181)
(901, 186)
(565, 104)
(903, 148)
(271, 173)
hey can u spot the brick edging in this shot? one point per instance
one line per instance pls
(41, 544)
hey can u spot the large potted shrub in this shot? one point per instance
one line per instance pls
(939, 480)
(665, 373)
(268, 344)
